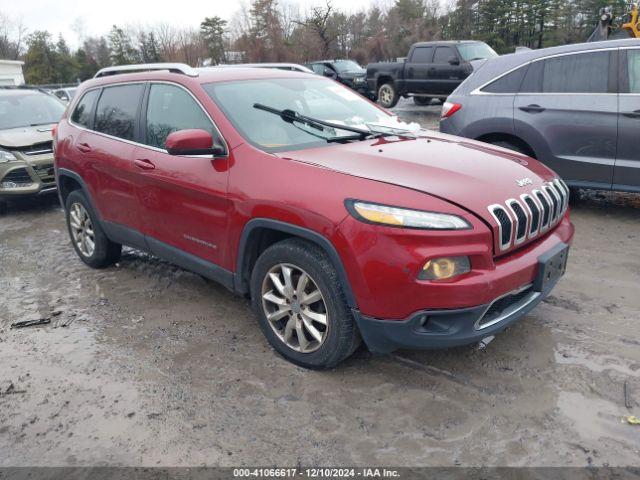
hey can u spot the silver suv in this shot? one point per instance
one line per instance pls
(576, 108)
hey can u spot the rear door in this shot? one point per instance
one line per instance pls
(107, 153)
(183, 198)
(444, 74)
(626, 174)
(416, 70)
(567, 110)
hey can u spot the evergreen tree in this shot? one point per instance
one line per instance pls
(121, 48)
(40, 59)
(212, 30)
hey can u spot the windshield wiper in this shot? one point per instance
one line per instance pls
(291, 116)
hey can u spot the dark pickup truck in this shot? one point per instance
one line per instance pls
(431, 70)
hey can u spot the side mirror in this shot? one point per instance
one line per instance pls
(330, 73)
(192, 142)
(454, 61)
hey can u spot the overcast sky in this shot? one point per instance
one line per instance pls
(74, 18)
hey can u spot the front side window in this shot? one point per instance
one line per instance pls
(314, 97)
(318, 68)
(422, 55)
(633, 67)
(117, 110)
(443, 55)
(581, 73)
(170, 108)
(28, 109)
(343, 66)
(82, 113)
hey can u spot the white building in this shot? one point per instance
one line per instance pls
(11, 72)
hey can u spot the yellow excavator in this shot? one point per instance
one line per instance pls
(609, 27)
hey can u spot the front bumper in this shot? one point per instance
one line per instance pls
(433, 329)
(27, 177)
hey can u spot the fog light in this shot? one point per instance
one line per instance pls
(445, 267)
(10, 184)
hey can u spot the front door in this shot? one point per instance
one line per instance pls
(567, 110)
(183, 198)
(627, 168)
(446, 72)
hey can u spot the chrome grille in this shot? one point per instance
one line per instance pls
(530, 215)
(43, 148)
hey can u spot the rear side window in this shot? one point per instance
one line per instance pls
(509, 83)
(117, 110)
(443, 55)
(82, 114)
(422, 55)
(582, 73)
(633, 67)
(170, 109)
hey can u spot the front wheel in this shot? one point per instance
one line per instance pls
(301, 308)
(387, 95)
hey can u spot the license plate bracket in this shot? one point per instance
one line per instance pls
(551, 266)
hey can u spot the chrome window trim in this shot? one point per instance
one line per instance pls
(516, 222)
(149, 147)
(491, 208)
(478, 90)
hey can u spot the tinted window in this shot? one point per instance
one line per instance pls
(443, 55)
(532, 82)
(633, 67)
(422, 55)
(583, 73)
(117, 108)
(171, 109)
(510, 83)
(82, 113)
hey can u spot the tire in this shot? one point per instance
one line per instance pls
(422, 101)
(387, 95)
(104, 252)
(339, 334)
(509, 146)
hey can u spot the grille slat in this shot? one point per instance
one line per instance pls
(531, 214)
(42, 148)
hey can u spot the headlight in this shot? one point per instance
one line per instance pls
(400, 217)
(359, 80)
(445, 267)
(6, 156)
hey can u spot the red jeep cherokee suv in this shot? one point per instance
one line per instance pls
(339, 221)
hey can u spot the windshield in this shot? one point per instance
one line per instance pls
(314, 97)
(343, 66)
(476, 51)
(28, 109)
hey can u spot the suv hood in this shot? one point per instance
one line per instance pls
(470, 174)
(25, 136)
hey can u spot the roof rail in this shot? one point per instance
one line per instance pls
(148, 67)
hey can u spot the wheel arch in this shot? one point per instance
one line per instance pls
(382, 79)
(510, 138)
(260, 233)
(68, 181)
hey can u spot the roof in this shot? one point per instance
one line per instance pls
(11, 62)
(445, 42)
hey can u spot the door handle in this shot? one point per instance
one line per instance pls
(144, 164)
(84, 147)
(533, 108)
(635, 114)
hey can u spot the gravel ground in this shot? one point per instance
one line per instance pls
(145, 364)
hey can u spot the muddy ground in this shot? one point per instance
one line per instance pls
(146, 364)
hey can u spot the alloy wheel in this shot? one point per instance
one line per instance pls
(82, 229)
(385, 94)
(295, 308)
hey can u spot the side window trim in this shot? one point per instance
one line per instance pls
(143, 118)
(478, 90)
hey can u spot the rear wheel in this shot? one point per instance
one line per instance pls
(297, 297)
(387, 95)
(87, 237)
(422, 101)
